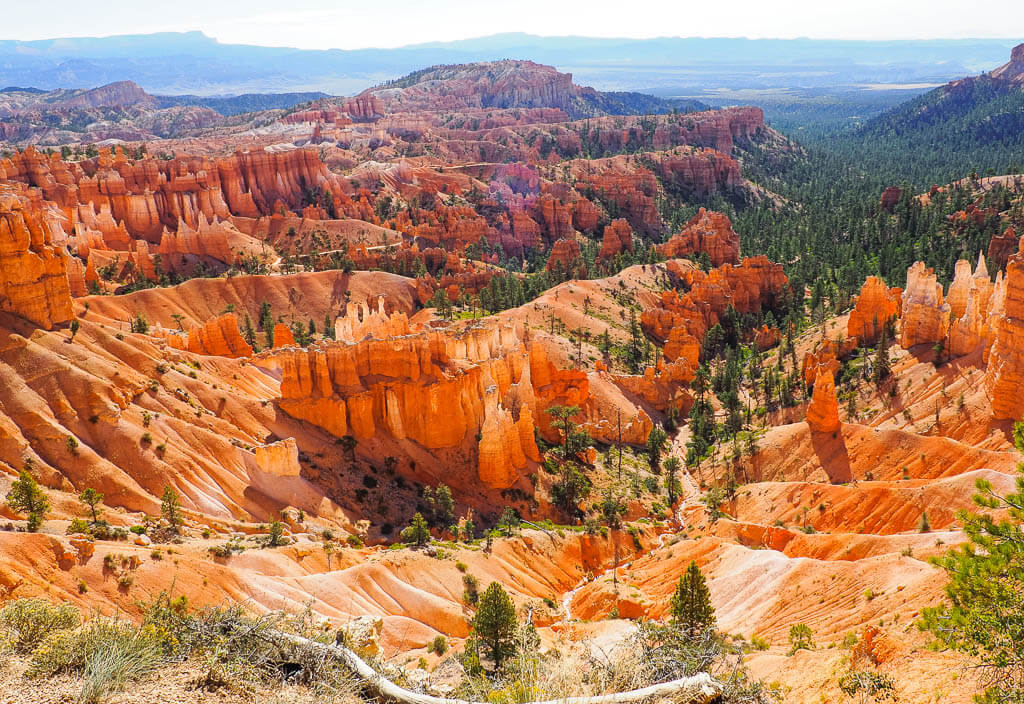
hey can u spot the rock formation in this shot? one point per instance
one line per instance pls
(681, 320)
(926, 316)
(1001, 247)
(1004, 377)
(280, 459)
(283, 336)
(890, 197)
(618, 237)
(823, 410)
(359, 323)
(959, 288)
(436, 389)
(973, 327)
(33, 273)
(707, 231)
(565, 255)
(876, 305)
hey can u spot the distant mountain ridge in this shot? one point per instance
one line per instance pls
(192, 63)
(977, 120)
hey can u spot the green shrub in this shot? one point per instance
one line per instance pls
(28, 621)
(439, 646)
(107, 653)
(759, 642)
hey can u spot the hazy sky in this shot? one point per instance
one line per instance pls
(323, 24)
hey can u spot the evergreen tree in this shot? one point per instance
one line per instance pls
(91, 498)
(170, 508)
(672, 465)
(691, 603)
(494, 624)
(655, 446)
(26, 496)
(418, 533)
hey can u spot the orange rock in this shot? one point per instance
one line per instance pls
(1001, 247)
(33, 273)
(564, 254)
(974, 327)
(438, 389)
(876, 306)
(823, 410)
(283, 336)
(220, 337)
(1004, 377)
(925, 314)
(767, 337)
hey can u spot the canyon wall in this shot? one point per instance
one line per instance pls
(33, 272)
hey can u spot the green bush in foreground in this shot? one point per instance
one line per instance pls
(26, 622)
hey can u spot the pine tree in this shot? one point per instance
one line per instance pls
(27, 497)
(691, 603)
(170, 508)
(91, 498)
(418, 533)
(495, 624)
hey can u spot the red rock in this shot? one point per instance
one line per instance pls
(1004, 377)
(220, 337)
(565, 254)
(618, 237)
(1000, 247)
(767, 337)
(890, 197)
(707, 231)
(925, 314)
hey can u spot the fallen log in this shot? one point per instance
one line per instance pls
(700, 688)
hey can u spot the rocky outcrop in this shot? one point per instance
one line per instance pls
(973, 327)
(1004, 377)
(710, 232)
(755, 285)
(1001, 247)
(565, 256)
(890, 197)
(33, 273)
(359, 322)
(439, 390)
(956, 296)
(219, 336)
(283, 336)
(876, 305)
(926, 316)
(767, 337)
(823, 410)
(280, 458)
(617, 238)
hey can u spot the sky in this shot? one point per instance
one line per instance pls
(344, 24)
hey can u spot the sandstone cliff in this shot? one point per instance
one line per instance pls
(925, 315)
(33, 273)
(876, 305)
(823, 410)
(1004, 377)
